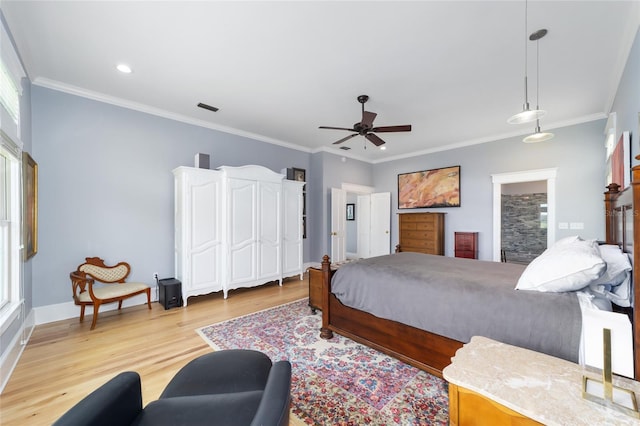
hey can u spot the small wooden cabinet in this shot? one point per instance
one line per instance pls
(466, 245)
(421, 232)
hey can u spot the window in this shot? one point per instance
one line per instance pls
(9, 94)
(11, 74)
(10, 224)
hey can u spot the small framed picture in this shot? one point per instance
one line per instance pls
(299, 175)
(351, 211)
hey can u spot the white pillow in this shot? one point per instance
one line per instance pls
(568, 266)
(617, 265)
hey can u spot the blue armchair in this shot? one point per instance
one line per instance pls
(231, 387)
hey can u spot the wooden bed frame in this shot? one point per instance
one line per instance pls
(432, 352)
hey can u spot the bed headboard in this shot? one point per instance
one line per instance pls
(622, 220)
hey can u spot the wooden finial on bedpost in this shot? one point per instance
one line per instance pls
(325, 332)
(613, 190)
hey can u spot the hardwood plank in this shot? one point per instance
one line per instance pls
(64, 360)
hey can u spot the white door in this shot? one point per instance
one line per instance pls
(363, 222)
(338, 225)
(380, 242)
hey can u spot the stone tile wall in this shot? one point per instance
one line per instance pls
(524, 237)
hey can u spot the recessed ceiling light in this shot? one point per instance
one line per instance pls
(124, 68)
(383, 147)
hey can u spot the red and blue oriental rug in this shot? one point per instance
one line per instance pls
(337, 381)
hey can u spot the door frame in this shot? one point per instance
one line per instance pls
(499, 179)
(350, 188)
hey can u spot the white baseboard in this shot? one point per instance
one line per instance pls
(11, 356)
(66, 310)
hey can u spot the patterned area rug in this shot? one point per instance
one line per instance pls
(337, 381)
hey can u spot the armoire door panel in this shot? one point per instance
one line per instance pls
(269, 260)
(243, 264)
(205, 267)
(204, 215)
(269, 208)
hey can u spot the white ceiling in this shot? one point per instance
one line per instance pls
(454, 70)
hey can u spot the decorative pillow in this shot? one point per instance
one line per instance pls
(568, 266)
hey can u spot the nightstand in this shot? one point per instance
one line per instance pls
(466, 245)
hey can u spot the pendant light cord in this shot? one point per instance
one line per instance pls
(538, 74)
(526, 36)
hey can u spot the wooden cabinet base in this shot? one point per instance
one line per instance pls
(470, 408)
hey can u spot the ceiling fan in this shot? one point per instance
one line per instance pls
(365, 127)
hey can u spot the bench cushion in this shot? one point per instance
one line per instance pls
(112, 290)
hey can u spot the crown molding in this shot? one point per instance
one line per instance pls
(101, 97)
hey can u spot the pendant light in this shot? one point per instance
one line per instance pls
(538, 135)
(527, 114)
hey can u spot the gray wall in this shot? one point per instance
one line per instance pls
(577, 152)
(331, 172)
(106, 187)
(627, 101)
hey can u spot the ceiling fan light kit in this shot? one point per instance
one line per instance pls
(365, 127)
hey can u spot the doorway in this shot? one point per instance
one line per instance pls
(524, 221)
(368, 234)
(546, 179)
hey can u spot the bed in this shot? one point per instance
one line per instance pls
(432, 350)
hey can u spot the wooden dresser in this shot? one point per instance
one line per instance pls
(466, 244)
(422, 232)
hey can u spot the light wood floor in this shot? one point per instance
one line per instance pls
(64, 361)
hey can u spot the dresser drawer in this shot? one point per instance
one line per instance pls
(467, 254)
(410, 243)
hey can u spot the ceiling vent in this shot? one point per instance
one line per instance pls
(209, 107)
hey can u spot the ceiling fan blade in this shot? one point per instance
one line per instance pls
(336, 128)
(382, 129)
(374, 139)
(345, 139)
(367, 119)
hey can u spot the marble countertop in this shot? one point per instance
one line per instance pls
(539, 386)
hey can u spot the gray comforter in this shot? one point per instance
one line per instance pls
(461, 298)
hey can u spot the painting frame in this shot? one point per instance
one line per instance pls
(299, 174)
(351, 211)
(430, 188)
(30, 205)
(621, 161)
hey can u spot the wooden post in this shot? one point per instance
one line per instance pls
(609, 213)
(325, 332)
(635, 273)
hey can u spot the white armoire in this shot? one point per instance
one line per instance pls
(235, 227)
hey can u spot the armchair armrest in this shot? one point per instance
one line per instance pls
(117, 402)
(276, 399)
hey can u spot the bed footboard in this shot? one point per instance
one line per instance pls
(427, 351)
